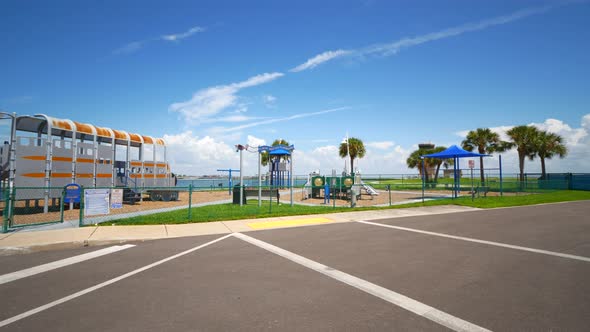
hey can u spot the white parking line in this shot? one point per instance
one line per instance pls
(104, 284)
(424, 310)
(60, 263)
(491, 243)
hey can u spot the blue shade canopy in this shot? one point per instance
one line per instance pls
(454, 152)
(278, 150)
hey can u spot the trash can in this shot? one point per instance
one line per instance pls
(236, 195)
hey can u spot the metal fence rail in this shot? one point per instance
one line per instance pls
(25, 206)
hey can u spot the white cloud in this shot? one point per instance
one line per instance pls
(130, 48)
(209, 102)
(269, 101)
(255, 141)
(577, 141)
(186, 34)
(135, 46)
(572, 136)
(292, 117)
(380, 145)
(191, 154)
(319, 59)
(388, 49)
(395, 47)
(18, 100)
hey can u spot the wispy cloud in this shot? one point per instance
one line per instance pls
(269, 101)
(288, 118)
(209, 102)
(18, 100)
(381, 145)
(319, 59)
(135, 46)
(130, 48)
(186, 34)
(392, 48)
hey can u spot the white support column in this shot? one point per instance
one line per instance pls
(113, 156)
(127, 161)
(241, 177)
(291, 175)
(94, 158)
(48, 159)
(259, 183)
(155, 167)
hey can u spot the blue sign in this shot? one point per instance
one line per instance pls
(73, 192)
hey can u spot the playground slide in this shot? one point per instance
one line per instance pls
(370, 190)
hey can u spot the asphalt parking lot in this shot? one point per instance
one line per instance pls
(519, 269)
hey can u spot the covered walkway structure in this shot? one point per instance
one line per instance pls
(454, 152)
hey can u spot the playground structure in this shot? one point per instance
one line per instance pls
(44, 154)
(279, 157)
(346, 186)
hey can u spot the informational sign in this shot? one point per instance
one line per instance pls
(471, 164)
(116, 198)
(73, 192)
(96, 201)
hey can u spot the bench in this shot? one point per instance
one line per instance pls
(482, 189)
(269, 193)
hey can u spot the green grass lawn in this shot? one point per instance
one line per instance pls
(228, 212)
(251, 210)
(508, 201)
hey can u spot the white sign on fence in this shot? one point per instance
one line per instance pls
(116, 198)
(471, 164)
(96, 201)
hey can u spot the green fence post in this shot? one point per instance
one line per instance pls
(389, 191)
(81, 218)
(190, 198)
(61, 206)
(333, 193)
(11, 209)
(5, 212)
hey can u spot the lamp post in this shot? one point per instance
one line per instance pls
(241, 148)
(345, 141)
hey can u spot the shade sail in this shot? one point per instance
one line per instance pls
(454, 152)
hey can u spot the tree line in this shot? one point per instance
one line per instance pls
(529, 142)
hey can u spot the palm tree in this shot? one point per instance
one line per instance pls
(484, 141)
(264, 158)
(437, 162)
(415, 161)
(547, 146)
(355, 147)
(523, 138)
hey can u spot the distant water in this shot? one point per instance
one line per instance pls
(223, 183)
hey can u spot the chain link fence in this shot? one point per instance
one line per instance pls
(29, 206)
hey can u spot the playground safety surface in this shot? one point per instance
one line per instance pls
(518, 269)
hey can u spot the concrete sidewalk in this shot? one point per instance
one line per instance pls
(22, 242)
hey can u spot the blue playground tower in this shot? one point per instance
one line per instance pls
(280, 174)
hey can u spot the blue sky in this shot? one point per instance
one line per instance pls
(208, 75)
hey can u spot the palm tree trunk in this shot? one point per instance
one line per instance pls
(543, 174)
(521, 167)
(481, 171)
(351, 165)
(436, 174)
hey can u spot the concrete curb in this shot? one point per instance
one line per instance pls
(28, 242)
